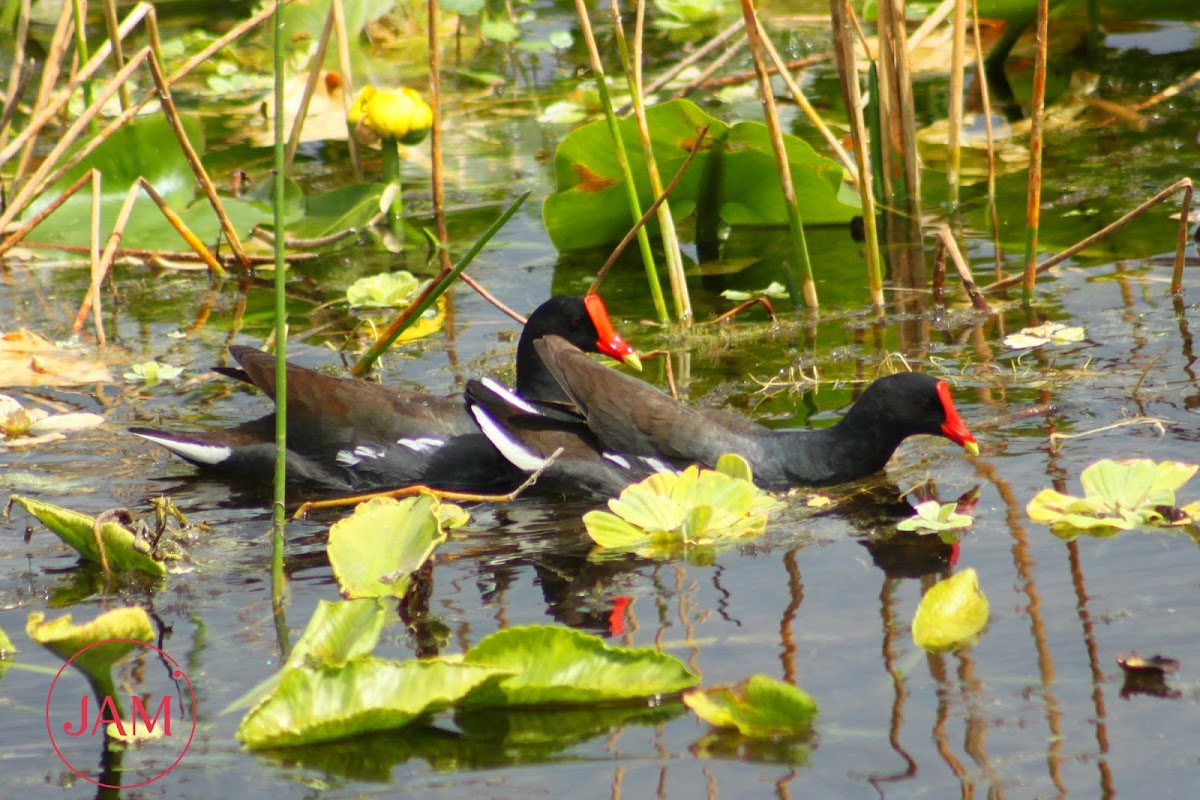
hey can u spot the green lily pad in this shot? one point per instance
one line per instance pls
(1118, 495)
(318, 704)
(123, 549)
(934, 517)
(385, 290)
(65, 639)
(374, 551)
(696, 507)
(951, 614)
(560, 666)
(759, 706)
(735, 168)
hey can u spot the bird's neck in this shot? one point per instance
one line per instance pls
(534, 381)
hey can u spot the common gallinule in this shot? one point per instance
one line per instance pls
(348, 435)
(626, 427)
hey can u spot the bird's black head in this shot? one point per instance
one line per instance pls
(582, 321)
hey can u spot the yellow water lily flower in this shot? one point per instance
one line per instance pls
(399, 114)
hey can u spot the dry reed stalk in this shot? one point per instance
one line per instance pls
(310, 86)
(985, 98)
(135, 16)
(17, 75)
(95, 261)
(1182, 185)
(112, 26)
(667, 232)
(1034, 197)
(697, 55)
(649, 212)
(34, 184)
(957, 73)
(807, 107)
(841, 15)
(946, 238)
(343, 51)
(754, 35)
(16, 236)
(193, 159)
(749, 75)
(614, 130)
(43, 104)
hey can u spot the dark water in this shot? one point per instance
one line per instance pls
(824, 600)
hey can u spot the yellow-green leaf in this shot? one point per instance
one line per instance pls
(951, 614)
(374, 551)
(759, 706)
(65, 639)
(121, 547)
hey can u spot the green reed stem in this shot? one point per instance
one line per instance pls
(432, 292)
(614, 129)
(278, 579)
(82, 46)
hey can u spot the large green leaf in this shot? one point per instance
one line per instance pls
(759, 706)
(374, 551)
(122, 548)
(65, 639)
(735, 167)
(560, 666)
(145, 148)
(951, 614)
(340, 632)
(318, 704)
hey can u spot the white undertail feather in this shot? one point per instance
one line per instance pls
(196, 452)
(512, 450)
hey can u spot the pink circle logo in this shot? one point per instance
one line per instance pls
(81, 724)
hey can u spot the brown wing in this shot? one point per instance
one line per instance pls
(630, 416)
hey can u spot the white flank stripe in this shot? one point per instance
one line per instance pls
(193, 451)
(657, 465)
(347, 459)
(620, 461)
(512, 398)
(366, 451)
(510, 448)
(420, 445)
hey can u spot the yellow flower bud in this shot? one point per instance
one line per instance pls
(398, 114)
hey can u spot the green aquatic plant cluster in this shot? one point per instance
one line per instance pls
(694, 508)
(1118, 496)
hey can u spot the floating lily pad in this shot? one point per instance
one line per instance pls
(152, 373)
(318, 704)
(759, 706)
(123, 549)
(374, 551)
(935, 517)
(340, 632)
(65, 639)
(560, 666)
(385, 290)
(696, 507)
(951, 614)
(1118, 495)
(1048, 333)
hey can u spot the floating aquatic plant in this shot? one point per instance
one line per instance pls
(935, 517)
(759, 706)
(951, 614)
(695, 507)
(1047, 333)
(1118, 495)
(374, 551)
(104, 539)
(152, 373)
(385, 290)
